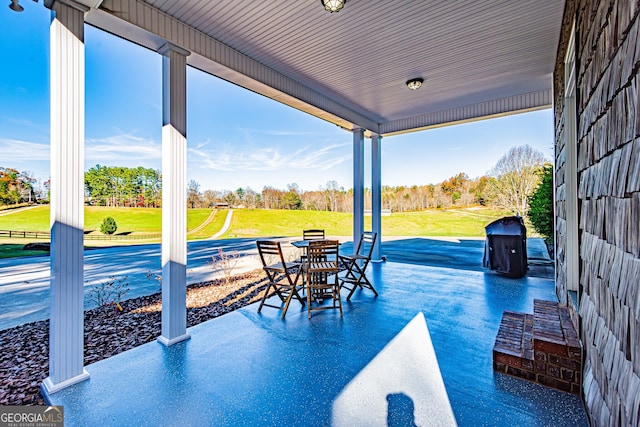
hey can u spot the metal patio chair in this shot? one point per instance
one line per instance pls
(356, 265)
(283, 277)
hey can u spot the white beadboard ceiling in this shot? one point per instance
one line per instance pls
(477, 58)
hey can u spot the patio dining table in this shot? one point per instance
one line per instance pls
(304, 245)
(319, 262)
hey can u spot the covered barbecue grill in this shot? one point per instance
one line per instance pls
(505, 249)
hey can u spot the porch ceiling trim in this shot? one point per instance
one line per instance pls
(498, 107)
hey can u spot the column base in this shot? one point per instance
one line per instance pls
(48, 387)
(167, 342)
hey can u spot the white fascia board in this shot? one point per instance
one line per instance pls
(83, 5)
(91, 4)
(522, 103)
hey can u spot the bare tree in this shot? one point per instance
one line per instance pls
(271, 197)
(516, 178)
(229, 197)
(194, 198)
(210, 198)
(314, 200)
(332, 193)
(251, 198)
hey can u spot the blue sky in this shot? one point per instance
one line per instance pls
(236, 138)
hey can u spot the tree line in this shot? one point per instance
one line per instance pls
(521, 181)
(17, 187)
(509, 185)
(117, 186)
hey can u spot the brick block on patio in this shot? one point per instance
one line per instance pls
(542, 347)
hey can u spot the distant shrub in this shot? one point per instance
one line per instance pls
(541, 205)
(108, 226)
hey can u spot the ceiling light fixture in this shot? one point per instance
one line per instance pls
(414, 84)
(333, 5)
(15, 6)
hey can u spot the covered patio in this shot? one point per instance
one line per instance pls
(378, 365)
(360, 69)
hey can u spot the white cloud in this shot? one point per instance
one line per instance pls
(123, 149)
(217, 162)
(26, 156)
(269, 158)
(22, 122)
(202, 144)
(275, 132)
(21, 151)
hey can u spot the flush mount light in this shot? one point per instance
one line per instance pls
(333, 5)
(15, 6)
(414, 84)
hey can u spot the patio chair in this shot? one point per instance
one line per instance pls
(283, 277)
(356, 265)
(313, 234)
(321, 276)
(309, 235)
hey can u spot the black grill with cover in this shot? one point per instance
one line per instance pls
(505, 249)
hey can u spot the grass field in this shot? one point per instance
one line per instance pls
(129, 220)
(12, 250)
(203, 223)
(262, 223)
(435, 222)
(195, 227)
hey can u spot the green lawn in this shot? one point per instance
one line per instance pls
(262, 222)
(207, 230)
(129, 220)
(268, 222)
(195, 217)
(31, 219)
(434, 222)
(12, 250)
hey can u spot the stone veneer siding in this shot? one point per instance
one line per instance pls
(608, 129)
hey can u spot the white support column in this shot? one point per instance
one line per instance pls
(376, 193)
(66, 320)
(174, 194)
(358, 185)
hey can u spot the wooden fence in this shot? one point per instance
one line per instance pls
(47, 235)
(25, 234)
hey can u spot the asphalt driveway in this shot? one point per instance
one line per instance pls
(24, 282)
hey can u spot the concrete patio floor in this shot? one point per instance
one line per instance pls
(374, 366)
